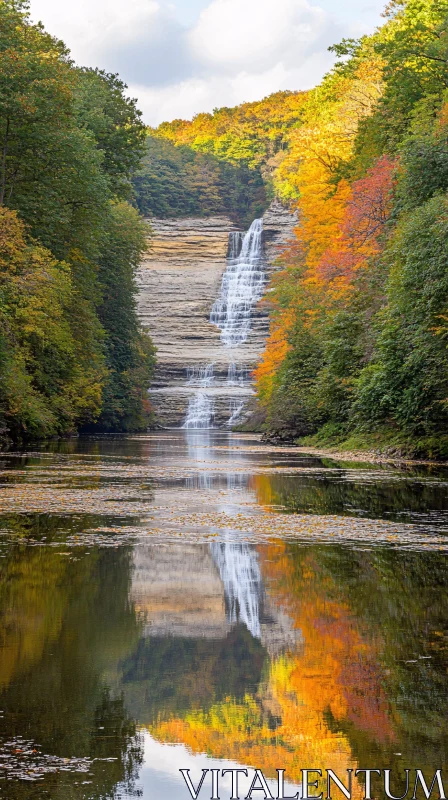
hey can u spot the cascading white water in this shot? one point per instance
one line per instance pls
(237, 376)
(200, 412)
(240, 573)
(201, 376)
(236, 408)
(242, 287)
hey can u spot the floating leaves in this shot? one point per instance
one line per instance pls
(21, 759)
(171, 488)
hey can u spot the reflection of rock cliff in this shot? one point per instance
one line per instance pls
(178, 591)
(179, 281)
(197, 591)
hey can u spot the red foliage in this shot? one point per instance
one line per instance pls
(367, 211)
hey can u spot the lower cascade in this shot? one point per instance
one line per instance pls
(201, 405)
(242, 287)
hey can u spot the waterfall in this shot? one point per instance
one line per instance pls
(236, 408)
(201, 376)
(200, 412)
(241, 288)
(237, 376)
(240, 573)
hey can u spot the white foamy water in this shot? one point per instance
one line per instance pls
(201, 411)
(241, 288)
(201, 376)
(240, 573)
(236, 408)
(237, 375)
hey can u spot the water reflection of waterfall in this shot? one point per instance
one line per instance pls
(240, 573)
(199, 450)
(241, 288)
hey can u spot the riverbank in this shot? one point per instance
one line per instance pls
(372, 448)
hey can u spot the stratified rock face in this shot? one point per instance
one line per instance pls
(278, 225)
(179, 280)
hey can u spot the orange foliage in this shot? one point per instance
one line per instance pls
(277, 346)
(339, 224)
(332, 674)
(367, 210)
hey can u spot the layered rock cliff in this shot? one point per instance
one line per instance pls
(179, 280)
(278, 227)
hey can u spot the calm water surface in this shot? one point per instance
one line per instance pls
(197, 600)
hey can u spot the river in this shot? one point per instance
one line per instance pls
(195, 599)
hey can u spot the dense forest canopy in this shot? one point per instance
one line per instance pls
(178, 181)
(224, 162)
(71, 350)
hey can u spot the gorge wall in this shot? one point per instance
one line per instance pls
(179, 281)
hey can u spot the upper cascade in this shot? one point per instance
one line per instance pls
(242, 286)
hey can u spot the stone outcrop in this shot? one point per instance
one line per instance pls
(179, 280)
(278, 226)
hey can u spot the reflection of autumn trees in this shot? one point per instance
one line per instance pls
(377, 621)
(367, 679)
(289, 722)
(338, 671)
(345, 697)
(32, 607)
(326, 494)
(166, 676)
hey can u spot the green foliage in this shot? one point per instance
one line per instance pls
(69, 140)
(407, 382)
(130, 354)
(414, 46)
(177, 181)
(294, 405)
(38, 368)
(316, 382)
(115, 122)
(424, 163)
